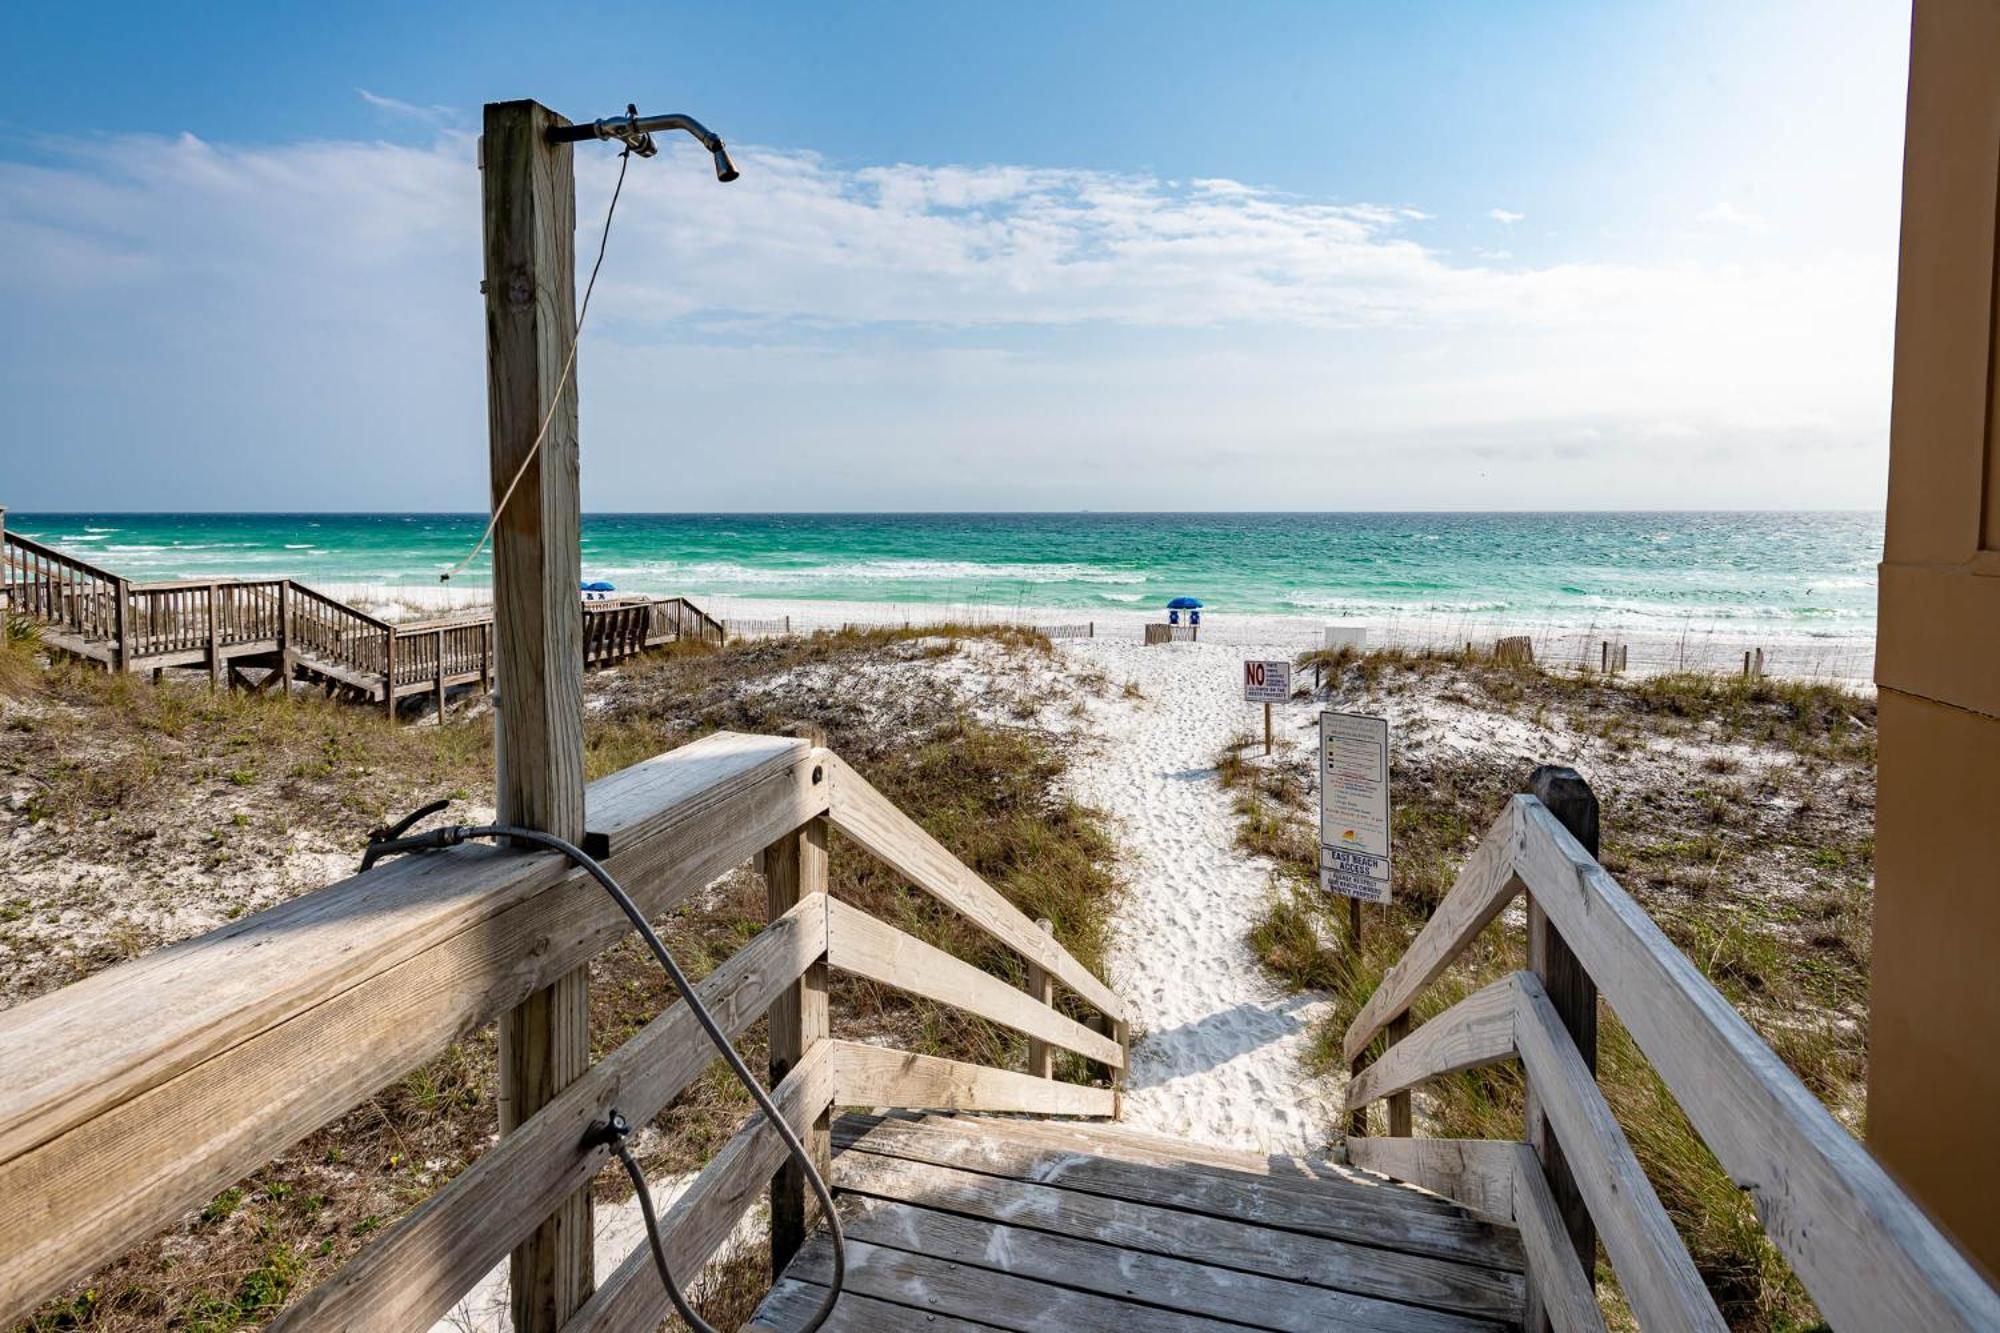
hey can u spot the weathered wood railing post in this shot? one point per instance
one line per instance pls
(794, 867)
(437, 677)
(528, 191)
(121, 624)
(1574, 996)
(214, 636)
(389, 673)
(1041, 1055)
(287, 654)
(6, 566)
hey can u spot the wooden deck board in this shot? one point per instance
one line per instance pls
(1134, 1276)
(1314, 1179)
(988, 1295)
(1365, 1212)
(1034, 1225)
(792, 1301)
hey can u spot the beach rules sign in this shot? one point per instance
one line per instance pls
(1354, 806)
(1267, 682)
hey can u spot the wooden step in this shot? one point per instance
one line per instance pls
(979, 1221)
(1368, 1212)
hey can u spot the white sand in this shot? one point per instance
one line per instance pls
(1219, 1043)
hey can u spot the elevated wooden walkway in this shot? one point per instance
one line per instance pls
(137, 1094)
(963, 1222)
(285, 631)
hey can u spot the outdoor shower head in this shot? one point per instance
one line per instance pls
(636, 133)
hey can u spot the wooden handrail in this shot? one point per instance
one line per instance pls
(339, 608)
(1513, 1017)
(56, 556)
(1484, 887)
(880, 1076)
(181, 585)
(1658, 1276)
(860, 944)
(412, 1276)
(1478, 1030)
(286, 626)
(1565, 1295)
(702, 1218)
(1865, 1252)
(872, 820)
(61, 591)
(140, 1092)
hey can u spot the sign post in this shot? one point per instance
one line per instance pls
(1354, 811)
(1267, 683)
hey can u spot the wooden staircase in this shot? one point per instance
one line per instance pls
(283, 631)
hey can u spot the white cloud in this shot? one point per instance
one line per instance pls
(978, 336)
(1726, 214)
(436, 117)
(1504, 217)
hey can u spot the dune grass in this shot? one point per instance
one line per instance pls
(1791, 952)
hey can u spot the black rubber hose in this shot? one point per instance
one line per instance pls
(457, 833)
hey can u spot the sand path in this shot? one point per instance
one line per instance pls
(1218, 1055)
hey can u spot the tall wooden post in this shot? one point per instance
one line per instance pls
(121, 624)
(795, 866)
(6, 567)
(287, 655)
(437, 678)
(214, 637)
(1574, 996)
(529, 197)
(389, 674)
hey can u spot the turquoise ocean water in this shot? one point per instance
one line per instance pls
(1806, 574)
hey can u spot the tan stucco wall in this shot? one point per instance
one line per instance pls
(1934, 1069)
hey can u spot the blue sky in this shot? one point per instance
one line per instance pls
(1114, 256)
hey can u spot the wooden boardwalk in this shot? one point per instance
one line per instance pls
(971, 1222)
(136, 1094)
(258, 633)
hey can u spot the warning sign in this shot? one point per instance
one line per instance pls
(1354, 806)
(1267, 682)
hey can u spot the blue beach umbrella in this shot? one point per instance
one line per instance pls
(1184, 604)
(600, 586)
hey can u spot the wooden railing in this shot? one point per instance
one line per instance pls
(95, 614)
(70, 597)
(613, 631)
(677, 617)
(143, 1091)
(453, 649)
(1865, 1252)
(195, 615)
(337, 634)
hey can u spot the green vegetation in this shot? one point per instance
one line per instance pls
(1740, 813)
(118, 764)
